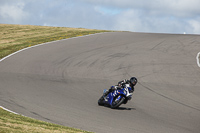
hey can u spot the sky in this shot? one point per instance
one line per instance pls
(152, 16)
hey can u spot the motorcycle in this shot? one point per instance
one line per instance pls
(116, 98)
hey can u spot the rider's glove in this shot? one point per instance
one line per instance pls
(112, 88)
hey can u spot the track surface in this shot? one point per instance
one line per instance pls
(61, 82)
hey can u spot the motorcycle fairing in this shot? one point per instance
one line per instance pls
(112, 95)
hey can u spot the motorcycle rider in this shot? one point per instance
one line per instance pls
(121, 84)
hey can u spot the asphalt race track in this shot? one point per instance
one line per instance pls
(61, 82)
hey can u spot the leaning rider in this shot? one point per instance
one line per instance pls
(121, 84)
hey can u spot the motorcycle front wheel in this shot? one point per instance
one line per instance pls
(100, 101)
(117, 102)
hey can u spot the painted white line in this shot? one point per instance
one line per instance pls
(25, 49)
(198, 59)
(8, 110)
(48, 43)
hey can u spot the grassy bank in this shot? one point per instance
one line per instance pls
(13, 123)
(16, 37)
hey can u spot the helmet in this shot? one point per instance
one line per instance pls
(133, 81)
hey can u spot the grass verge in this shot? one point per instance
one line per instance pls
(13, 123)
(16, 37)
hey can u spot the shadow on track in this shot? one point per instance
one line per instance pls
(124, 108)
(119, 108)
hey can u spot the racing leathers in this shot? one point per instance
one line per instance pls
(121, 84)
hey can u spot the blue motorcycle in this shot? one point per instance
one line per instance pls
(116, 98)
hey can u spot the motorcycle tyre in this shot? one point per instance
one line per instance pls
(118, 104)
(100, 101)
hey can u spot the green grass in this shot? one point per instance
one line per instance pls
(13, 123)
(16, 37)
